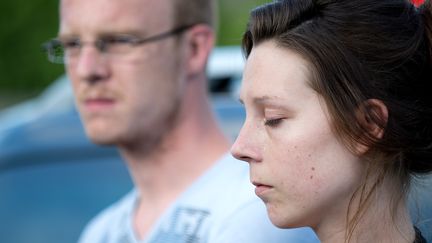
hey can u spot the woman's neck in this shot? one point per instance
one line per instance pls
(378, 223)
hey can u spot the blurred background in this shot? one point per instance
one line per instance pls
(52, 179)
(25, 25)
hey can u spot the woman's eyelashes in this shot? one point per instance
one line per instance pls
(272, 122)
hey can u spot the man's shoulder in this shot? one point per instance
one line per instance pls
(112, 220)
(229, 168)
(229, 176)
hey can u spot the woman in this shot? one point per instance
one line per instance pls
(339, 114)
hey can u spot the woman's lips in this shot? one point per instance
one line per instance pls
(261, 189)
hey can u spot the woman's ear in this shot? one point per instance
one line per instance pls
(372, 117)
(200, 43)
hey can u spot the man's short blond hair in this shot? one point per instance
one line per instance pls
(188, 12)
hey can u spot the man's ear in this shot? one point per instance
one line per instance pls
(200, 43)
(372, 117)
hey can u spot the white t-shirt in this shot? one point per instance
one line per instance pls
(220, 207)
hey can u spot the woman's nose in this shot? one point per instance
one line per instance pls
(246, 146)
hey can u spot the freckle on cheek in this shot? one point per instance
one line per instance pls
(313, 169)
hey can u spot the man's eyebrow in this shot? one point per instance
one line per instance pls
(107, 33)
(66, 36)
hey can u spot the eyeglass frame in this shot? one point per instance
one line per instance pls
(100, 44)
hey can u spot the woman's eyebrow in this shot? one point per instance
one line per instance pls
(267, 100)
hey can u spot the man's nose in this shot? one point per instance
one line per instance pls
(91, 64)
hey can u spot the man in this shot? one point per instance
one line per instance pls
(138, 73)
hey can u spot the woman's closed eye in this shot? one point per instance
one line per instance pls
(273, 122)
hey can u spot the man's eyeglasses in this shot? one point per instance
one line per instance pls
(63, 50)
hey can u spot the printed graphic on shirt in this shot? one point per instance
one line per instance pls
(183, 227)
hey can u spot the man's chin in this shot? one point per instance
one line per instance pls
(101, 138)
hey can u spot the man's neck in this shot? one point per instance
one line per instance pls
(180, 158)
(185, 152)
(162, 176)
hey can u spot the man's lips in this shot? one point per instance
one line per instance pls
(96, 104)
(261, 189)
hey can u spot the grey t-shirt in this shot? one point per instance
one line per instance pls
(220, 207)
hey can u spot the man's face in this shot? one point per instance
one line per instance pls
(128, 98)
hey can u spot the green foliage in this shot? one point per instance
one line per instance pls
(25, 25)
(233, 17)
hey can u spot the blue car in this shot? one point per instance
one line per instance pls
(53, 180)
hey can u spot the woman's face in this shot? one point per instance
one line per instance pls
(301, 170)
